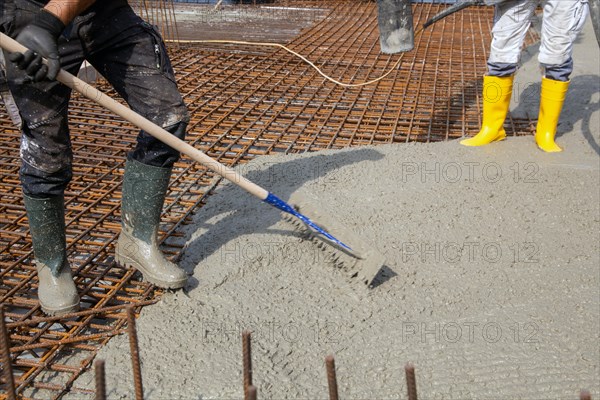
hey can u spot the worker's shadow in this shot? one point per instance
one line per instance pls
(238, 213)
(579, 106)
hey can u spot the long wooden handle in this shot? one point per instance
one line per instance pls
(161, 134)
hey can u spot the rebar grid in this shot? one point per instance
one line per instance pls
(244, 101)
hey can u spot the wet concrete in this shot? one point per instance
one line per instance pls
(491, 288)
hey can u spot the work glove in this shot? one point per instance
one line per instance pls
(41, 38)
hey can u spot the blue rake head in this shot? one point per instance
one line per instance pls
(285, 207)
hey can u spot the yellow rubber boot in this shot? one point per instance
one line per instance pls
(497, 92)
(552, 99)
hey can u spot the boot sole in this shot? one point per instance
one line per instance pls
(129, 263)
(60, 311)
(498, 139)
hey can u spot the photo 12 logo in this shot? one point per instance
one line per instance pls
(455, 252)
(271, 252)
(468, 171)
(469, 332)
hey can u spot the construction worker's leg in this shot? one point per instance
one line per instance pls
(146, 81)
(45, 172)
(511, 22)
(563, 21)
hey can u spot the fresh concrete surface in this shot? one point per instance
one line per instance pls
(491, 288)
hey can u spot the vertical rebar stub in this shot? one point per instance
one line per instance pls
(135, 353)
(5, 358)
(331, 378)
(247, 362)
(411, 382)
(100, 380)
(395, 20)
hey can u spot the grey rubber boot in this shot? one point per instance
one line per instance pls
(144, 191)
(57, 292)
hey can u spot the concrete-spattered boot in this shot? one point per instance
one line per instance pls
(57, 292)
(144, 191)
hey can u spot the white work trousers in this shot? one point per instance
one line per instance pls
(562, 20)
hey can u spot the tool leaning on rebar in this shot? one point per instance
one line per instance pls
(361, 259)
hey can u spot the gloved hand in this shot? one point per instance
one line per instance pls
(41, 38)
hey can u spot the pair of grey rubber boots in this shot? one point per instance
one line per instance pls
(144, 191)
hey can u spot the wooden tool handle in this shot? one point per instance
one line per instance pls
(161, 134)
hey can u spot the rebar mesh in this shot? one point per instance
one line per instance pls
(244, 101)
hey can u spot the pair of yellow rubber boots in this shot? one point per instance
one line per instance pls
(497, 92)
